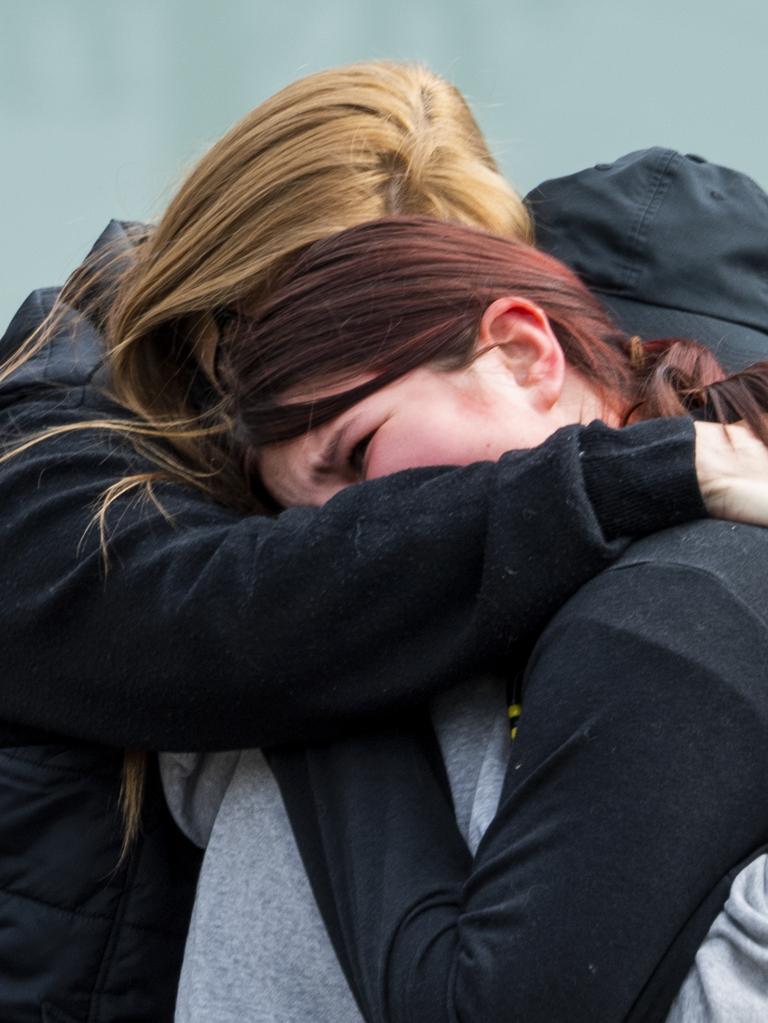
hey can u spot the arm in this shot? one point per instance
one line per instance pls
(635, 790)
(216, 631)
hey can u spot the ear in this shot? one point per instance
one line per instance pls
(527, 346)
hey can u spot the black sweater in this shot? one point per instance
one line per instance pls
(214, 631)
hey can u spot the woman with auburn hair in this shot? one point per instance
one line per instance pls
(634, 793)
(148, 601)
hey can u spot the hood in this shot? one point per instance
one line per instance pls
(76, 352)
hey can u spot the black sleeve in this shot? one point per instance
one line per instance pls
(216, 631)
(636, 788)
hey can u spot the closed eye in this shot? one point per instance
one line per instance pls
(357, 455)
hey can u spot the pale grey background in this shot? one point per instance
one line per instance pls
(103, 103)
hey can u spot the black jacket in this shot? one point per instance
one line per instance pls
(214, 631)
(634, 795)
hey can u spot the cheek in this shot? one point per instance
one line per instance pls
(414, 444)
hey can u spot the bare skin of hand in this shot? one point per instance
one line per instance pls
(732, 466)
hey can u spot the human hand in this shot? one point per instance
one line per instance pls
(732, 466)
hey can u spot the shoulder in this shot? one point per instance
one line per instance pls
(28, 317)
(730, 552)
(687, 604)
(681, 574)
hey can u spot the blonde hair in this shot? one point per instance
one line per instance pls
(329, 151)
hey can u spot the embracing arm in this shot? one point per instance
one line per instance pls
(217, 631)
(634, 792)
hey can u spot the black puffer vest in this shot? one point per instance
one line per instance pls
(81, 938)
(84, 938)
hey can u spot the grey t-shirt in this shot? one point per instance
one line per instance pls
(257, 948)
(728, 982)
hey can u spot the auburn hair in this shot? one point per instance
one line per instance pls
(383, 298)
(329, 151)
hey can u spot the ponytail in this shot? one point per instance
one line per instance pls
(679, 377)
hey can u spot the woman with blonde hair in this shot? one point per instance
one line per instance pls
(149, 600)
